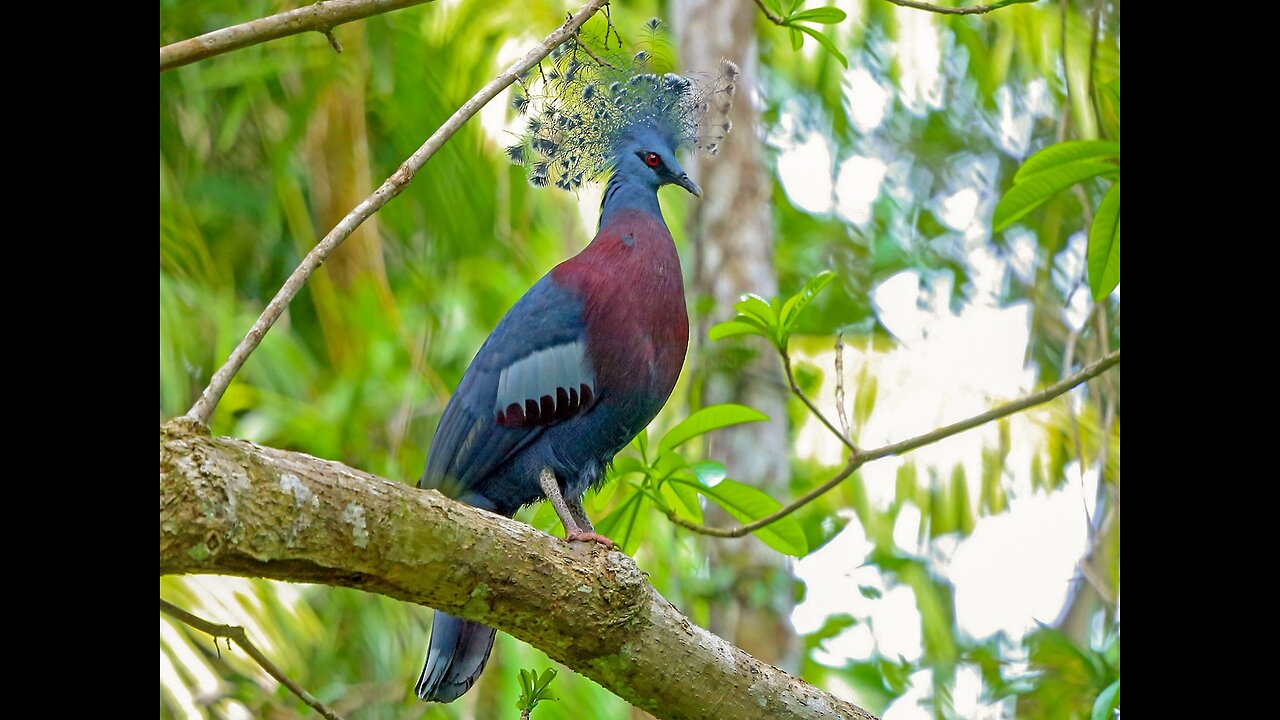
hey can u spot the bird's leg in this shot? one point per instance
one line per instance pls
(566, 511)
(579, 515)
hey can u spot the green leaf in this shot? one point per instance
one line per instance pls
(669, 462)
(683, 500)
(808, 376)
(626, 465)
(1006, 3)
(708, 472)
(1067, 152)
(747, 504)
(754, 306)
(1033, 190)
(641, 443)
(864, 398)
(870, 592)
(730, 328)
(823, 15)
(826, 42)
(547, 676)
(797, 40)
(796, 304)
(706, 420)
(1104, 245)
(1104, 708)
(625, 525)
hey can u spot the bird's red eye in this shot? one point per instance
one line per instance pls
(652, 160)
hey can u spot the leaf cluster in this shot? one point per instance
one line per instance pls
(534, 688)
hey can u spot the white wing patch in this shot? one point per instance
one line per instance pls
(546, 386)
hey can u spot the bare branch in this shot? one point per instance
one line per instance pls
(861, 457)
(944, 10)
(599, 61)
(393, 186)
(841, 414)
(241, 638)
(232, 507)
(322, 17)
(999, 411)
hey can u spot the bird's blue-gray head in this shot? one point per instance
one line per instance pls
(588, 119)
(647, 155)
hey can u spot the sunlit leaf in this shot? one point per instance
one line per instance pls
(754, 306)
(706, 420)
(626, 465)
(1104, 708)
(825, 42)
(747, 504)
(1034, 189)
(1067, 152)
(626, 524)
(683, 500)
(823, 15)
(730, 328)
(796, 304)
(708, 472)
(1104, 245)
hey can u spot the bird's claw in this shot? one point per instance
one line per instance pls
(585, 536)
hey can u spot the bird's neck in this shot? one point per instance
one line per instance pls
(626, 193)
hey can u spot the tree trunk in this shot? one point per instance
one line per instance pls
(339, 178)
(732, 235)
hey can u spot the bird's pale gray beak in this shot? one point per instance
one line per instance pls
(689, 185)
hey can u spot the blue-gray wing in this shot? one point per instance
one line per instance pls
(532, 372)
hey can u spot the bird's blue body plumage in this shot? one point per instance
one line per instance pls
(575, 369)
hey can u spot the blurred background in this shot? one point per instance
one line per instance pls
(975, 578)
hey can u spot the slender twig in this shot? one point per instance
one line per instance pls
(333, 41)
(860, 458)
(770, 16)
(840, 411)
(236, 634)
(795, 390)
(582, 46)
(322, 17)
(393, 186)
(943, 10)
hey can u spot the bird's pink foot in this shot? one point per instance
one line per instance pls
(583, 536)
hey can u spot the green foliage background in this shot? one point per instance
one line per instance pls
(359, 370)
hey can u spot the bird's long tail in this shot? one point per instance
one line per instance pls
(458, 651)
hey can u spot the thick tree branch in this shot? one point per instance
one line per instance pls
(393, 186)
(241, 638)
(321, 17)
(859, 458)
(232, 507)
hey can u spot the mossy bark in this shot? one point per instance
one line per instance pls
(232, 507)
